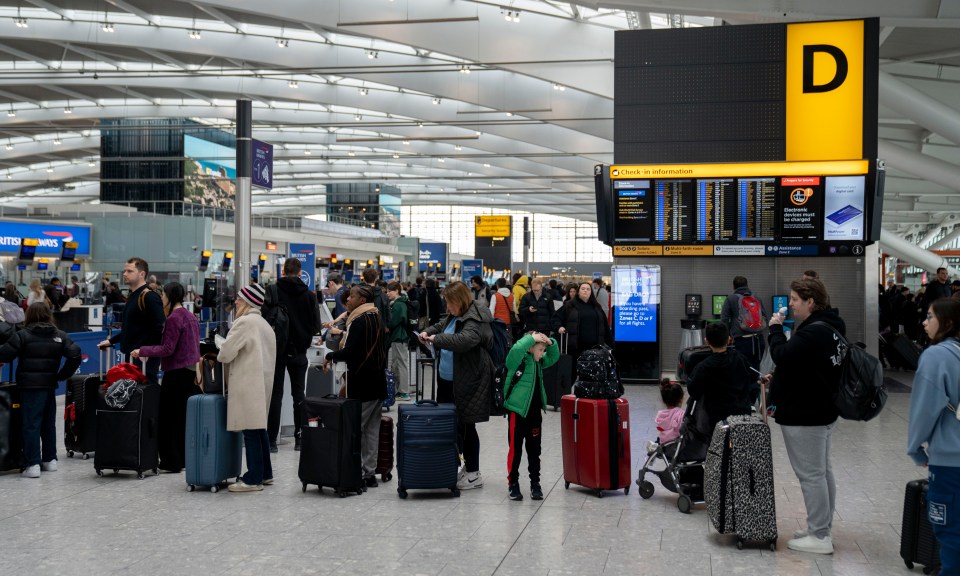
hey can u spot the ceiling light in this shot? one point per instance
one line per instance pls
(282, 43)
(91, 163)
(407, 142)
(21, 22)
(464, 69)
(377, 189)
(458, 147)
(516, 16)
(509, 113)
(351, 153)
(419, 124)
(357, 117)
(395, 155)
(485, 165)
(436, 101)
(11, 113)
(306, 152)
(68, 110)
(106, 27)
(371, 54)
(293, 84)
(364, 91)
(559, 87)
(9, 176)
(441, 160)
(50, 169)
(194, 33)
(57, 141)
(9, 146)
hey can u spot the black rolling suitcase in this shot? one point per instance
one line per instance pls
(11, 431)
(330, 445)
(558, 379)
(80, 415)
(905, 351)
(688, 360)
(738, 481)
(127, 436)
(918, 545)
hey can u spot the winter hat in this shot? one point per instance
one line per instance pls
(253, 295)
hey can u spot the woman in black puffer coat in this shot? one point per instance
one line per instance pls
(39, 349)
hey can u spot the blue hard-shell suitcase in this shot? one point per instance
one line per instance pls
(212, 452)
(427, 455)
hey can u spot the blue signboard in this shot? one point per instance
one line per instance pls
(636, 299)
(262, 165)
(472, 268)
(792, 250)
(50, 236)
(433, 253)
(306, 254)
(389, 274)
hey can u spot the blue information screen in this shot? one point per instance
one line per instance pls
(636, 299)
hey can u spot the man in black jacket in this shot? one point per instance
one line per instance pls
(536, 310)
(143, 318)
(304, 321)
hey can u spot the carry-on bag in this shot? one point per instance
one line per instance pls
(80, 409)
(213, 453)
(320, 383)
(918, 545)
(558, 379)
(427, 454)
(330, 445)
(385, 449)
(906, 350)
(127, 432)
(595, 439)
(688, 359)
(738, 481)
(391, 398)
(11, 428)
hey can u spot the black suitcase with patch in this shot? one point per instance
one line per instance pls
(127, 437)
(11, 431)
(918, 545)
(330, 445)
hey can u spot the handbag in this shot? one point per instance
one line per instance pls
(209, 376)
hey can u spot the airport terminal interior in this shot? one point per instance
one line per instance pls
(443, 139)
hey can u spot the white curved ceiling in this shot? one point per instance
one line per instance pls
(457, 101)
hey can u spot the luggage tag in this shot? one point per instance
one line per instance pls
(313, 422)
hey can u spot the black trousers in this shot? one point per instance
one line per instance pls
(524, 431)
(468, 441)
(296, 366)
(177, 387)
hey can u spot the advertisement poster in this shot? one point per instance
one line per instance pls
(472, 268)
(306, 254)
(262, 165)
(209, 173)
(843, 208)
(801, 200)
(50, 237)
(434, 253)
(636, 298)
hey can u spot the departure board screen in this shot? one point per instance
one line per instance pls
(675, 210)
(758, 208)
(716, 210)
(801, 205)
(633, 205)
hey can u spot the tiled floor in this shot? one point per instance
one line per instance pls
(72, 522)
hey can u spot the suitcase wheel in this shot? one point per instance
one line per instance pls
(214, 489)
(70, 453)
(156, 471)
(386, 477)
(646, 489)
(455, 492)
(99, 472)
(599, 493)
(626, 489)
(909, 564)
(86, 456)
(739, 543)
(566, 485)
(359, 492)
(191, 487)
(304, 487)
(116, 471)
(402, 493)
(773, 545)
(684, 504)
(342, 494)
(139, 475)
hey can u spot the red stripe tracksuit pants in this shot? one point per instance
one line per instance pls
(524, 430)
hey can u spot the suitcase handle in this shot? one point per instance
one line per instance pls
(426, 402)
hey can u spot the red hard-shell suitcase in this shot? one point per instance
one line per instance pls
(596, 443)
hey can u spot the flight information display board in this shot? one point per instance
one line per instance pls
(754, 209)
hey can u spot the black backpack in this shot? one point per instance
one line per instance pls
(597, 375)
(277, 317)
(498, 354)
(861, 393)
(413, 313)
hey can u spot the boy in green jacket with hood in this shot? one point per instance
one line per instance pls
(525, 398)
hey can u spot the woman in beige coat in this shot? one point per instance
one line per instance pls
(249, 354)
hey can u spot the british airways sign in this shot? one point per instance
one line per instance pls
(50, 237)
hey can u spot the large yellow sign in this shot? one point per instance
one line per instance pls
(492, 226)
(637, 250)
(743, 170)
(825, 90)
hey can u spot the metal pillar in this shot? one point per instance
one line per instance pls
(244, 200)
(526, 246)
(906, 250)
(920, 165)
(928, 112)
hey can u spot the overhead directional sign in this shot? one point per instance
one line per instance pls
(492, 226)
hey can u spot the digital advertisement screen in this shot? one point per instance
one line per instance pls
(843, 208)
(801, 204)
(718, 301)
(209, 173)
(636, 300)
(634, 202)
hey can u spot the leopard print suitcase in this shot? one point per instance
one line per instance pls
(738, 481)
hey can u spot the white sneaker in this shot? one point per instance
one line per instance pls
(31, 471)
(50, 466)
(812, 544)
(470, 481)
(798, 534)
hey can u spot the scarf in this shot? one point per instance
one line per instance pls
(357, 312)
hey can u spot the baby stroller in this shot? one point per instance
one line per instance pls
(681, 460)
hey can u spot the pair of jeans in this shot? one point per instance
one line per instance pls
(808, 448)
(38, 410)
(177, 387)
(468, 441)
(257, 448)
(524, 431)
(296, 365)
(943, 504)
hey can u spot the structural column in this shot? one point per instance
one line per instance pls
(244, 200)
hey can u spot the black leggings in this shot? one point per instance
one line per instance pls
(468, 441)
(177, 386)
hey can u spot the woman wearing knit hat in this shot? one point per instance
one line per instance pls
(249, 354)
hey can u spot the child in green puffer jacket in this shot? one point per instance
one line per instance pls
(525, 398)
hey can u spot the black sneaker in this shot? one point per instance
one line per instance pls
(535, 492)
(370, 482)
(273, 448)
(515, 492)
(296, 444)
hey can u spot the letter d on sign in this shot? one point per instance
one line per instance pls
(841, 74)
